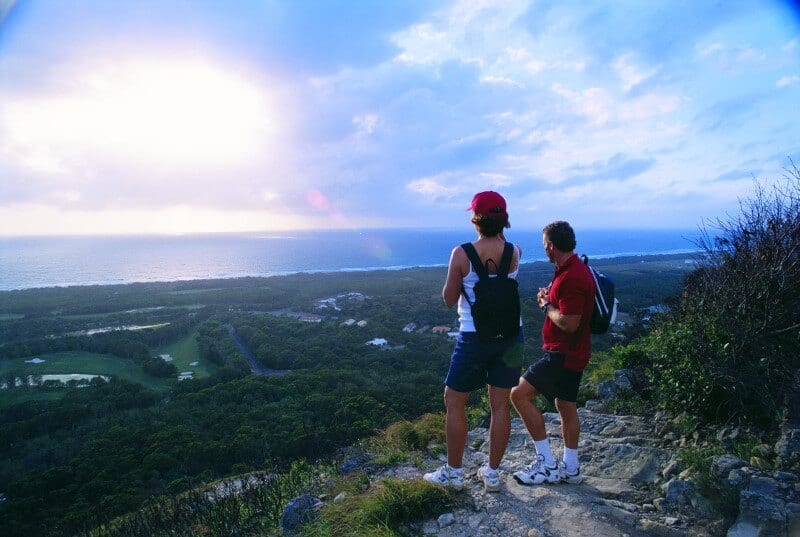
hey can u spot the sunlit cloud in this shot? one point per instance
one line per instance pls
(180, 114)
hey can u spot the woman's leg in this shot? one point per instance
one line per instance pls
(500, 424)
(455, 425)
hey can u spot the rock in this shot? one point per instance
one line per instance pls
(353, 464)
(677, 491)
(446, 520)
(736, 478)
(430, 528)
(757, 507)
(622, 380)
(721, 466)
(339, 497)
(475, 520)
(763, 451)
(788, 445)
(784, 476)
(764, 486)
(622, 505)
(606, 389)
(744, 529)
(298, 511)
(613, 430)
(594, 405)
(658, 503)
(671, 521)
(793, 519)
(767, 514)
(758, 462)
(671, 468)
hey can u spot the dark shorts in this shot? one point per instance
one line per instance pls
(476, 363)
(550, 378)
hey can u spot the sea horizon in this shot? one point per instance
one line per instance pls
(69, 260)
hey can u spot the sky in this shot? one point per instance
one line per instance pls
(204, 116)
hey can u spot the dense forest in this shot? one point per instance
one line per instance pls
(75, 457)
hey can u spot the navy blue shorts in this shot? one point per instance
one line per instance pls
(476, 363)
(550, 378)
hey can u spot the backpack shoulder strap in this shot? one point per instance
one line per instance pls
(505, 262)
(475, 261)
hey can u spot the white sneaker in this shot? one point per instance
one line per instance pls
(490, 478)
(572, 478)
(446, 476)
(537, 473)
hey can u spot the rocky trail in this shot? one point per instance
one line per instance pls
(633, 486)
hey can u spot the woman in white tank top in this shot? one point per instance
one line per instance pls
(477, 363)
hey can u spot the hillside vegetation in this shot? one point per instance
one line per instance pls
(729, 348)
(83, 456)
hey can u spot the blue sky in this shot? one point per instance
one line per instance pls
(186, 116)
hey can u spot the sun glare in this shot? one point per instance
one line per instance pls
(164, 113)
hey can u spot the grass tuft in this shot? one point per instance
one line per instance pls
(399, 441)
(383, 509)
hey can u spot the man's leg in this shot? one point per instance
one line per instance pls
(455, 425)
(500, 424)
(570, 429)
(570, 424)
(544, 468)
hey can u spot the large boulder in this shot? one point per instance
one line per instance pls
(762, 510)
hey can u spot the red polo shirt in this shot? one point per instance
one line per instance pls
(572, 292)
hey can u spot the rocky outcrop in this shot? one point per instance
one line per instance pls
(634, 485)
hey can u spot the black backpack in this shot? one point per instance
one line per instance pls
(605, 305)
(496, 309)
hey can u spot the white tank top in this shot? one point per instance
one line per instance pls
(466, 324)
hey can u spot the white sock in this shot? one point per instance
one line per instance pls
(570, 459)
(455, 470)
(490, 470)
(543, 449)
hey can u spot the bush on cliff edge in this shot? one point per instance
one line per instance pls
(729, 347)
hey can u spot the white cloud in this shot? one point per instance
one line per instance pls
(711, 49)
(366, 123)
(786, 81)
(503, 81)
(433, 188)
(629, 73)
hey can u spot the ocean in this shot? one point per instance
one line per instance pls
(62, 261)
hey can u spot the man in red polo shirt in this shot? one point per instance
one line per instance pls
(567, 305)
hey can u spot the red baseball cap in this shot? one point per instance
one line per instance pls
(488, 203)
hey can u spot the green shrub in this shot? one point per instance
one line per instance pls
(728, 349)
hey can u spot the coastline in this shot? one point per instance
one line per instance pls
(230, 277)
